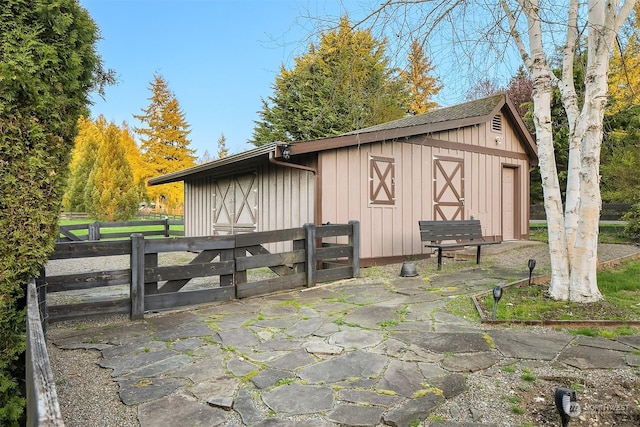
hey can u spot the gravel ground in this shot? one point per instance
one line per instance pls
(87, 394)
(89, 397)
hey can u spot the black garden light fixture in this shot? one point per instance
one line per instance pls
(285, 149)
(497, 294)
(567, 404)
(531, 264)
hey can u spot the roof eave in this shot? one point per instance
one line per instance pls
(211, 166)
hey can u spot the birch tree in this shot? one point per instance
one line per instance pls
(538, 30)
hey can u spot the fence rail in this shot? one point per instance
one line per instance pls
(308, 259)
(42, 400)
(609, 212)
(97, 230)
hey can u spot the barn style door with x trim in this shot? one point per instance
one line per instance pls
(382, 181)
(448, 188)
(235, 205)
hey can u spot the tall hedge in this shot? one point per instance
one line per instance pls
(48, 67)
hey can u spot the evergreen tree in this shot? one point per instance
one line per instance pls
(223, 151)
(165, 143)
(84, 155)
(135, 160)
(342, 84)
(420, 83)
(111, 194)
(48, 66)
(205, 158)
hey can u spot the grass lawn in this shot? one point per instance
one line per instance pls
(133, 229)
(609, 233)
(620, 287)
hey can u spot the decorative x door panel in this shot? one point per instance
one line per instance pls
(448, 188)
(382, 181)
(235, 205)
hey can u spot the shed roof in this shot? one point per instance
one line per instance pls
(457, 116)
(478, 108)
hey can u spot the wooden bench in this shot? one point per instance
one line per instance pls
(440, 234)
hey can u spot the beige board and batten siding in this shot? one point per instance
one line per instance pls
(198, 207)
(391, 230)
(271, 198)
(287, 200)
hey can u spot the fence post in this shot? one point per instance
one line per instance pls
(166, 226)
(354, 242)
(310, 253)
(137, 276)
(94, 231)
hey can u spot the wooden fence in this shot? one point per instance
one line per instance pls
(609, 211)
(42, 400)
(99, 230)
(310, 260)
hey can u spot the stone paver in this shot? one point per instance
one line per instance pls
(529, 345)
(296, 398)
(346, 354)
(173, 410)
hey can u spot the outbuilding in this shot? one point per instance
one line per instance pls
(467, 161)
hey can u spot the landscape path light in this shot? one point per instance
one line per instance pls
(567, 404)
(531, 264)
(497, 294)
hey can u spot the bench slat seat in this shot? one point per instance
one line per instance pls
(453, 234)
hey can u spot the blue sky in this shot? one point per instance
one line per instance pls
(219, 57)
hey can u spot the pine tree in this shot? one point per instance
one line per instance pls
(342, 84)
(165, 143)
(223, 151)
(111, 194)
(420, 83)
(205, 158)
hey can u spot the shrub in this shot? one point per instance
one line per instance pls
(632, 229)
(48, 66)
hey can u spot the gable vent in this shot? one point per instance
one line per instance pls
(496, 123)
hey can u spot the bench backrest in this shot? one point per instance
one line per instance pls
(434, 231)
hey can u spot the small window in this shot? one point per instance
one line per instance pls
(382, 184)
(496, 123)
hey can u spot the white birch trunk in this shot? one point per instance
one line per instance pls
(573, 234)
(601, 21)
(543, 80)
(570, 103)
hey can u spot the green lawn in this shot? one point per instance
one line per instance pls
(619, 286)
(609, 233)
(133, 229)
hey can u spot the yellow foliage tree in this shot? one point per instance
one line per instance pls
(624, 79)
(164, 143)
(83, 156)
(422, 86)
(134, 157)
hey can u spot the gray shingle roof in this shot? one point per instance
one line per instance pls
(477, 108)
